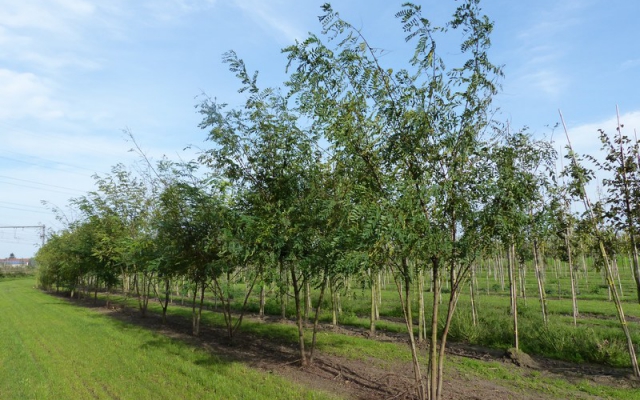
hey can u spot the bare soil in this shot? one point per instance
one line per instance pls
(371, 379)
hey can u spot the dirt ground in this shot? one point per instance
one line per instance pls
(373, 379)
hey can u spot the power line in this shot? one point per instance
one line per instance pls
(22, 209)
(37, 188)
(43, 184)
(24, 205)
(40, 227)
(51, 161)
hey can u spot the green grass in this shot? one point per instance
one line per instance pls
(53, 349)
(50, 349)
(597, 338)
(528, 381)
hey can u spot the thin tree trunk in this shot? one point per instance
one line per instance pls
(283, 291)
(433, 348)
(297, 288)
(422, 325)
(307, 301)
(453, 301)
(474, 311)
(408, 319)
(372, 318)
(541, 293)
(334, 307)
(193, 310)
(621, 316)
(514, 293)
(325, 281)
(262, 300)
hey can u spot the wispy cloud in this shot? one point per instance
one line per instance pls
(549, 81)
(273, 17)
(175, 10)
(26, 95)
(544, 48)
(47, 36)
(51, 16)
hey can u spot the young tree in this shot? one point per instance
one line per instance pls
(580, 176)
(417, 133)
(622, 162)
(270, 160)
(517, 187)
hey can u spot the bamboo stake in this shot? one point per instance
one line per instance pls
(607, 263)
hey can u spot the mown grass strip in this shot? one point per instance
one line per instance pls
(53, 350)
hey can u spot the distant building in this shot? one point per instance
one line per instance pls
(14, 262)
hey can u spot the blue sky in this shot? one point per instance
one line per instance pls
(75, 73)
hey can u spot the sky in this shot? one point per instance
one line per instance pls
(76, 74)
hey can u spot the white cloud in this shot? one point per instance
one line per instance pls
(51, 16)
(550, 82)
(585, 138)
(26, 95)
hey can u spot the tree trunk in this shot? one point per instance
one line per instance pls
(193, 310)
(574, 299)
(299, 321)
(513, 292)
(325, 281)
(408, 319)
(453, 301)
(262, 300)
(539, 278)
(422, 322)
(372, 318)
(621, 316)
(307, 301)
(433, 348)
(474, 310)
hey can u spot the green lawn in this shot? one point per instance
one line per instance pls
(50, 349)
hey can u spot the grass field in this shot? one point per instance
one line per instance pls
(51, 349)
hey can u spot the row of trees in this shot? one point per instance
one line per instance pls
(354, 170)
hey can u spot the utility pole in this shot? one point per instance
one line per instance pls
(41, 227)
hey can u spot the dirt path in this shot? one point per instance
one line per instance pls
(373, 379)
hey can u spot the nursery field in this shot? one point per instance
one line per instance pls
(53, 347)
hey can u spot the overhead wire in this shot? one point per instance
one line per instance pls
(43, 184)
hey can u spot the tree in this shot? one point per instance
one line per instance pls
(580, 176)
(262, 151)
(517, 187)
(623, 189)
(417, 133)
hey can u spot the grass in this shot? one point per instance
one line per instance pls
(597, 337)
(528, 381)
(52, 350)
(383, 353)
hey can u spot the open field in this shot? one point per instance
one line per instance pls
(55, 349)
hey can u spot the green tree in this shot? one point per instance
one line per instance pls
(262, 151)
(622, 163)
(417, 133)
(516, 189)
